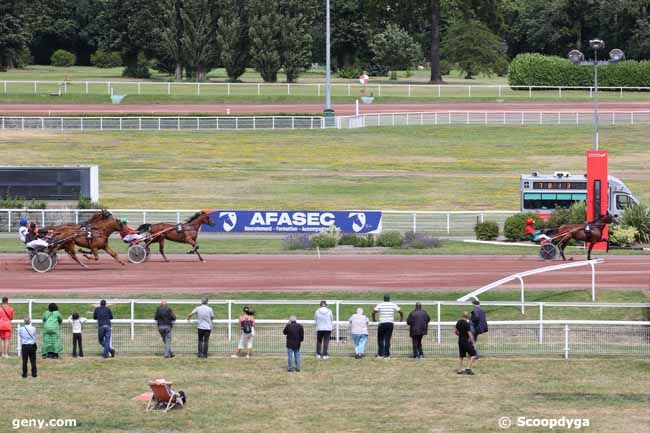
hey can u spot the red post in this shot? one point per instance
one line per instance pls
(597, 188)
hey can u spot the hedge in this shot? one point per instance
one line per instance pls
(63, 58)
(539, 70)
(486, 231)
(106, 59)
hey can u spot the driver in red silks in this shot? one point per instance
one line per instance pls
(532, 234)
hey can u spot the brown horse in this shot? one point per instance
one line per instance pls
(579, 232)
(94, 235)
(184, 233)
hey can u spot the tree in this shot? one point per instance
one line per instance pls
(264, 32)
(172, 34)
(233, 38)
(295, 38)
(395, 49)
(472, 47)
(199, 39)
(350, 32)
(639, 45)
(13, 35)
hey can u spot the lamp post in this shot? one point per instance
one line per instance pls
(578, 58)
(328, 69)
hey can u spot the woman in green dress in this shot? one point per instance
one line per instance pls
(52, 345)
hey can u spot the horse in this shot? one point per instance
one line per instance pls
(94, 235)
(567, 232)
(185, 233)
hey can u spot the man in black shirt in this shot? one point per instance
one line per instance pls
(165, 318)
(465, 344)
(103, 315)
(295, 335)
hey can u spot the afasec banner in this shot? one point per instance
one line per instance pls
(293, 221)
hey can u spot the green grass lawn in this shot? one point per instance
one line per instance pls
(414, 168)
(339, 395)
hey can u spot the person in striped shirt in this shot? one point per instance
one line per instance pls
(386, 312)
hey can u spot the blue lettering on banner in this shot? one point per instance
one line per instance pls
(278, 221)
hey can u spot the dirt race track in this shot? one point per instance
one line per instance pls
(308, 273)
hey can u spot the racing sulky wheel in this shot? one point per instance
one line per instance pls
(41, 262)
(137, 253)
(55, 260)
(548, 251)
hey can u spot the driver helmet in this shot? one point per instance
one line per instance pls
(530, 221)
(23, 222)
(123, 220)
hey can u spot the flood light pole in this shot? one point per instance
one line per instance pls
(328, 73)
(578, 58)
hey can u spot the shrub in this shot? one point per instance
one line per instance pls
(63, 58)
(638, 217)
(106, 59)
(20, 203)
(86, 203)
(390, 239)
(348, 239)
(576, 214)
(297, 241)
(327, 238)
(419, 240)
(445, 67)
(539, 70)
(623, 236)
(375, 70)
(366, 241)
(138, 70)
(486, 231)
(349, 72)
(513, 228)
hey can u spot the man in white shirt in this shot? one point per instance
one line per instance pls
(204, 315)
(27, 335)
(386, 312)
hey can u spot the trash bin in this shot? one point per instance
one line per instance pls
(330, 118)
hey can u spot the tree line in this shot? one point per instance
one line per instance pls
(188, 38)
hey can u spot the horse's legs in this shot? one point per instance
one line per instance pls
(591, 247)
(561, 246)
(161, 246)
(70, 248)
(112, 253)
(195, 248)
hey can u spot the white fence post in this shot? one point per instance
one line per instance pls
(43, 218)
(258, 89)
(566, 341)
(29, 309)
(229, 320)
(8, 220)
(338, 303)
(541, 323)
(521, 284)
(414, 222)
(438, 324)
(132, 320)
(448, 223)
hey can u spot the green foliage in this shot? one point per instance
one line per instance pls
(348, 239)
(20, 203)
(14, 35)
(63, 58)
(233, 38)
(576, 214)
(420, 240)
(623, 236)
(445, 67)
(106, 59)
(513, 228)
(86, 203)
(474, 48)
(486, 231)
(349, 72)
(264, 32)
(327, 238)
(395, 48)
(638, 216)
(139, 69)
(295, 38)
(199, 37)
(360, 241)
(390, 239)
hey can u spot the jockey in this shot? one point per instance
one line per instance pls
(32, 240)
(23, 230)
(128, 233)
(532, 234)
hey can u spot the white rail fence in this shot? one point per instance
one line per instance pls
(516, 337)
(511, 118)
(206, 89)
(449, 223)
(179, 123)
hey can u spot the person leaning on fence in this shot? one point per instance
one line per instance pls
(418, 321)
(295, 335)
(76, 323)
(204, 316)
(103, 315)
(27, 336)
(386, 312)
(323, 319)
(165, 319)
(247, 325)
(6, 316)
(465, 344)
(52, 320)
(359, 331)
(478, 320)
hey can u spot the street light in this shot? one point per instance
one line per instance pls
(328, 112)
(578, 58)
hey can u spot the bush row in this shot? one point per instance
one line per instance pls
(539, 70)
(333, 237)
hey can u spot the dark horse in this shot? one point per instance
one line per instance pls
(93, 234)
(578, 232)
(184, 233)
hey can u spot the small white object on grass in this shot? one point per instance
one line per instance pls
(318, 252)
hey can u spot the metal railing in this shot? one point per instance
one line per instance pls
(179, 123)
(507, 118)
(424, 90)
(593, 337)
(441, 223)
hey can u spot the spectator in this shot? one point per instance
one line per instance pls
(465, 344)
(103, 315)
(52, 320)
(165, 318)
(295, 335)
(386, 312)
(479, 324)
(204, 316)
(6, 316)
(418, 321)
(323, 319)
(76, 323)
(247, 325)
(27, 336)
(359, 330)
